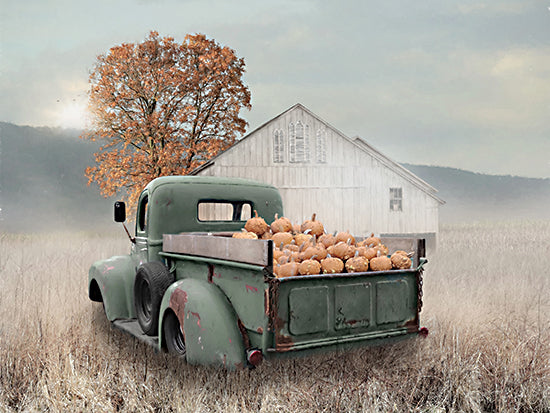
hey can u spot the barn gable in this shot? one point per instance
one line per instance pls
(348, 183)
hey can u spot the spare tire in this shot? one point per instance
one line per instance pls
(152, 280)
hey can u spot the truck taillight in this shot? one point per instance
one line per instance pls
(423, 332)
(254, 357)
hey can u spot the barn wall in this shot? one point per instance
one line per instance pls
(349, 191)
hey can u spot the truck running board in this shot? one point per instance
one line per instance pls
(131, 326)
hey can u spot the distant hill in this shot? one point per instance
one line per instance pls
(43, 187)
(472, 196)
(42, 182)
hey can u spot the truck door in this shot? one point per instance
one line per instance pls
(141, 227)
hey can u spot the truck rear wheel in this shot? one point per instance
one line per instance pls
(173, 335)
(152, 280)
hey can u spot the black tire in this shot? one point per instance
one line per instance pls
(152, 280)
(173, 335)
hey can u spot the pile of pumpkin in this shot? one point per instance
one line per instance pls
(307, 250)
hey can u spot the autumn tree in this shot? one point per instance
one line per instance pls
(162, 108)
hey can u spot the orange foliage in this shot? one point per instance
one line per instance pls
(162, 108)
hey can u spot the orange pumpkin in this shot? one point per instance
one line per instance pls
(257, 225)
(380, 264)
(314, 227)
(357, 264)
(281, 225)
(309, 267)
(332, 265)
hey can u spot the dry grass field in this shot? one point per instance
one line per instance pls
(486, 304)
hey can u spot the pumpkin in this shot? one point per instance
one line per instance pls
(400, 260)
(327, 240)
(345, 237)
(314, 227)
(382, 263)
(281, 225)
(287, 270)
(277, 253)
(371, 241)
(257, 225)
(317, 252)
(332, 265)
(381, 249)
(292, 247)
(303, 239)
(357, 264)
(284, 238)
(245, 235)
(309, 267)
(368, 253)
(342, 250)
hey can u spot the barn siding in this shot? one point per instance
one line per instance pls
(348, 192)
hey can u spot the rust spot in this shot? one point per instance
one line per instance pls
(198, 317)
(178, 299)
(251, 288)
(244, 334)
(411, 325)
(260, 330)
(282, 342)
(266, 302)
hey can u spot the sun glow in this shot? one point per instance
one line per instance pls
(73, 115)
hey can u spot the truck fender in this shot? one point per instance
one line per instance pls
(113, 278)
(210, 324)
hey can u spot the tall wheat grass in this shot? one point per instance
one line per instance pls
(486, 303)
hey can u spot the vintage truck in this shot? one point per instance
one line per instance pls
(189, 288)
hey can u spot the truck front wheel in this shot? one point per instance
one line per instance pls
(152, 280)
(175, 342)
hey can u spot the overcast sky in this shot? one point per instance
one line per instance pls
(464, 84)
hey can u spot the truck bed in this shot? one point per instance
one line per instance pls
(303, 313)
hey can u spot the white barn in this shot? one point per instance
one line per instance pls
(345, 181)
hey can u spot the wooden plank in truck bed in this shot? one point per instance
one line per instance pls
(248, 251)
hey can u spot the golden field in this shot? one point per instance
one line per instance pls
(486, 304)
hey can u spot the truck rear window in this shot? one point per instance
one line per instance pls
(224, 211)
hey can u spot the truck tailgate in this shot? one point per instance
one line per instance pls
(313, 311)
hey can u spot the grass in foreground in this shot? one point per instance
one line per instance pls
(486, 303)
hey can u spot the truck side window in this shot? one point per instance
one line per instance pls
(142, 222)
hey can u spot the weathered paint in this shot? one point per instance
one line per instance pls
(332, 310)
(210, 325)
(115, 278)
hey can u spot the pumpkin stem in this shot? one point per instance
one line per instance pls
(313, 217)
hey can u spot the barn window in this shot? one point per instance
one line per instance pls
(321, 146)
(298, 142)
(396, 199)
(278, 146)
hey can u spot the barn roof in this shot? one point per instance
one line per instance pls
(357, 141)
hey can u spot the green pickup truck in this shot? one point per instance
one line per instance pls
(189, 288)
